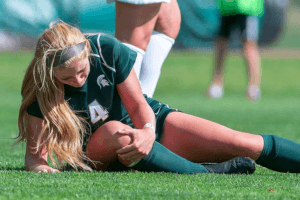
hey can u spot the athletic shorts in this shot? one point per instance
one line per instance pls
(161, 112)
(139, 1)
(246, 24)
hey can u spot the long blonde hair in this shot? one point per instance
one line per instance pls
(63, 130)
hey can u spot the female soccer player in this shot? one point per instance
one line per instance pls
(82, 101)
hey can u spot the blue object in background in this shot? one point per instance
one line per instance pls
(98, 16)
(199, 27)
(26, 17)
(200, 23)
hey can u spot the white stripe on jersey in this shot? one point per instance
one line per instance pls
(100, 52)
(95, 55)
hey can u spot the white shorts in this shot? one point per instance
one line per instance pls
(140, 1)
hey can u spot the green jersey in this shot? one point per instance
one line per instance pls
(98, 100)
(246, 7)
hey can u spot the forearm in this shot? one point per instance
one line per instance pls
(36, 155)
(143, 136)
(33, 158)
(142, 115)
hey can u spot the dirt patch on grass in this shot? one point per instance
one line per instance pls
(288, 53)
(276, 53)
(265, 52)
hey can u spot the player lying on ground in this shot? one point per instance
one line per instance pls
(82, 101)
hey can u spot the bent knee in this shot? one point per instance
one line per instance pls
(105, 141)
(109, 132)
(169, 19)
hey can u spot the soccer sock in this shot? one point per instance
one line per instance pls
(139, 59)
(280, 154)
(156, 53)
(160, 159)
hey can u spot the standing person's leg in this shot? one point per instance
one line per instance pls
(252, 57)
(200, 140)
(135, 24)
(215, 91)
(162, 39)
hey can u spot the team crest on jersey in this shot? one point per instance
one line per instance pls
(102, 82)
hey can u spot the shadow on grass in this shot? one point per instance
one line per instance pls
(12, 168)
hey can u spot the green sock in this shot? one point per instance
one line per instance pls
(160, 159)
(280, 154)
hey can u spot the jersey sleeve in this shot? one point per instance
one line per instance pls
(125, 59)
(34, 110)
(115, 55)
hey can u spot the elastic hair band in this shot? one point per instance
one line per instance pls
(64, 55)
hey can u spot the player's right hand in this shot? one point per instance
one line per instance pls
(42, 169)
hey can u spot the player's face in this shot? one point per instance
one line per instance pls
(76, 74)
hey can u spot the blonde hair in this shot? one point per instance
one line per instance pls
(63, 130)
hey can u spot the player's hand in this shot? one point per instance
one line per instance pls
(142, 142)
(42, 169)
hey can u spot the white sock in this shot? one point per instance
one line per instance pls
(139, 59)
(156, 53)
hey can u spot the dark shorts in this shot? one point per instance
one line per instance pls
(160, 110)
(246, 25)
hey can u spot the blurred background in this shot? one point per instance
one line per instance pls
(22, 21)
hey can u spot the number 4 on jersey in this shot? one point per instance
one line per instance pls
(97, 112)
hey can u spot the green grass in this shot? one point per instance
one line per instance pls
(184, 79)
(291, 29)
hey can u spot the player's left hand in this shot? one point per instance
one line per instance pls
(142, 142)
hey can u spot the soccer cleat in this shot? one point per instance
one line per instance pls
(215, 92)
(238, 165)
(253, 92)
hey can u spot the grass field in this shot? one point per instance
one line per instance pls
(184, 79)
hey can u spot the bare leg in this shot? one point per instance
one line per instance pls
(169, 19)
(200, 140)
(162, 39)
(134, 26)
(215, 90)
(104, 143)
(135, 23)
(220, 56)
(252, 58)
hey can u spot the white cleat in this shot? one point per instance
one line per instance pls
(253, 92)
(215, 92)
